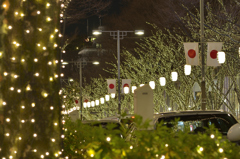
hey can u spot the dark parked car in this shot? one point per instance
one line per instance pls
(195, 121)
(111, 125)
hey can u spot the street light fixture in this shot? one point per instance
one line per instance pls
(118, 35)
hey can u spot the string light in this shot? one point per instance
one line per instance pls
(19, 54)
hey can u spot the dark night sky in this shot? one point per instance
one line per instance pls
(121, 15)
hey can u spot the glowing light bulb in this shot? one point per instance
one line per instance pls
(23, 107)
(33, 104)
(44, 48)
(9, 27)
(45, 94)
(5, 73)
(38, 12)
(19, 90)
(27, 31)
(37, 74)
(220, 150)
(34, 135)
(28, 88)
(108, 139)
(35, 60)
(32, 120)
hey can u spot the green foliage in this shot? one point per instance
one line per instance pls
(83, 141)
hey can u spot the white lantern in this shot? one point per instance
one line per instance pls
(152, 84)
(84, 104)
(162, 81)
(112, 95)
(102, 100)
(133, 88)
(92, 103)
(97, 102)
(88, 104)
(187, 69)
(174, 76)
(126, 90)
(221, 57)
(107, 97)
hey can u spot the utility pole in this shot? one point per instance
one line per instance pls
(203, 84)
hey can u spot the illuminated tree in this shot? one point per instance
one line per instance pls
(162, 53)
(30, 82)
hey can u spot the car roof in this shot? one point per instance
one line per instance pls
(100, 121)
(190, 112)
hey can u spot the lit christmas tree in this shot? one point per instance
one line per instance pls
(30, 79)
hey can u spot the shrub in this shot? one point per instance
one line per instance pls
(84, 141)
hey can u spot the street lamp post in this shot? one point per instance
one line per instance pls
(119, 35)
(80, 66)
(203, 85)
